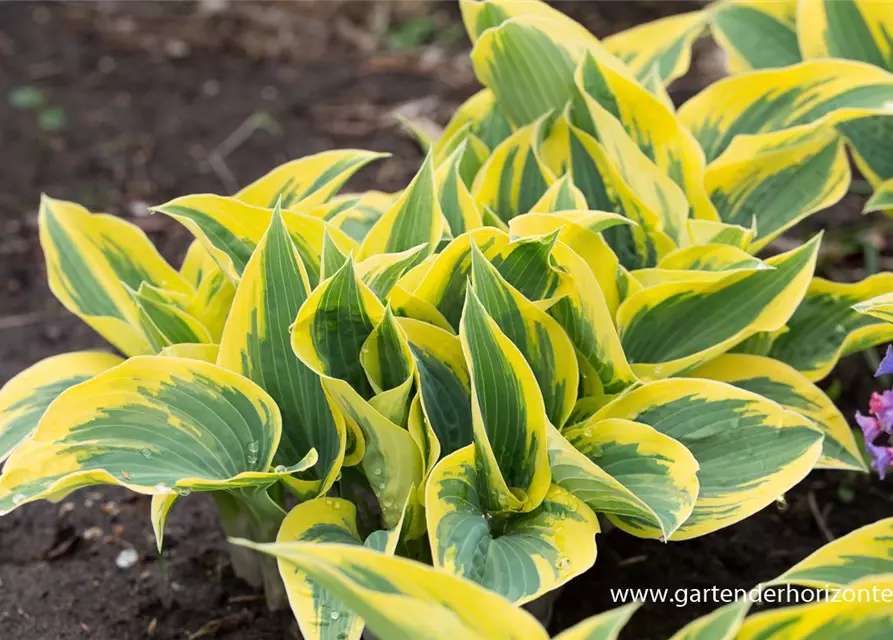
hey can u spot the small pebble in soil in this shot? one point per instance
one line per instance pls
(127, 558)
(92, 533)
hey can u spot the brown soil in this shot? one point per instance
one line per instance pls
(146, 92)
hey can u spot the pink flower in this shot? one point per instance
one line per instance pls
(877, 428)
(881, 405)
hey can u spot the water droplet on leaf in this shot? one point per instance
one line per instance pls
(334, 615)
(280, 468)
(254, 446)
(161, 487)
(146, 453)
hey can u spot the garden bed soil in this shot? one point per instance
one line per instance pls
(135, 102)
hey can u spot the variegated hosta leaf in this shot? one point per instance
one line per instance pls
(778, 186)
(519, 556)
(856, 615)
(332, 326)
(203, 352)
(882, 199)
(720, 624)
(156, 425)
(651, 124)
(750, 450)
(230, 230)
(509, 416)
(356, 220)
(389, 366)
(256, 343)
(443, 383)
(307, 181)
(655, 189)
(92, 261)
(381, 272)
(540, 338)
(514, 177)
(322, 615)
(645, 481)
(857, 30)
(414, 219)
(562, 195)
(870, 138)
(606, 189)
(458, 206)
(712, 232)
(163, 322)
(331, 259)
(212, 301)
(865, 552)
(27, 395)
(709, 257)
(826, 91)
(792, 390)
(670, 328)
(604, 626)
(581, 231)
(479, 121)
(755, 34)
(197, 264)
(334, 206)
(401, 599)
(528, 62)
(825, 327)
(525, 263)
(663, 45)
(584, 315)
(878, 307)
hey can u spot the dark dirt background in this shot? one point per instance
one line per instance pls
(127, 103)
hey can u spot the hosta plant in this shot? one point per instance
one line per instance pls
(799, 66)
(399, 599)
(564, 314)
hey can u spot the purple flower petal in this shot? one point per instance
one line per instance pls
(871, 427)
(881, 459)
(881, 405)
(886, 366)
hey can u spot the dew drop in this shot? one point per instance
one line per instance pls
(126, 475)
(563, 563)
(334, 615)
(161, 487)
(146, 453)
(252, 459)
(382, 485)
(18, 498)
(377, 472)
(280, 468)
(587, 432)
(183, 491)
(254, 446)
(337, 506)
(329, 502)
(781, 503)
